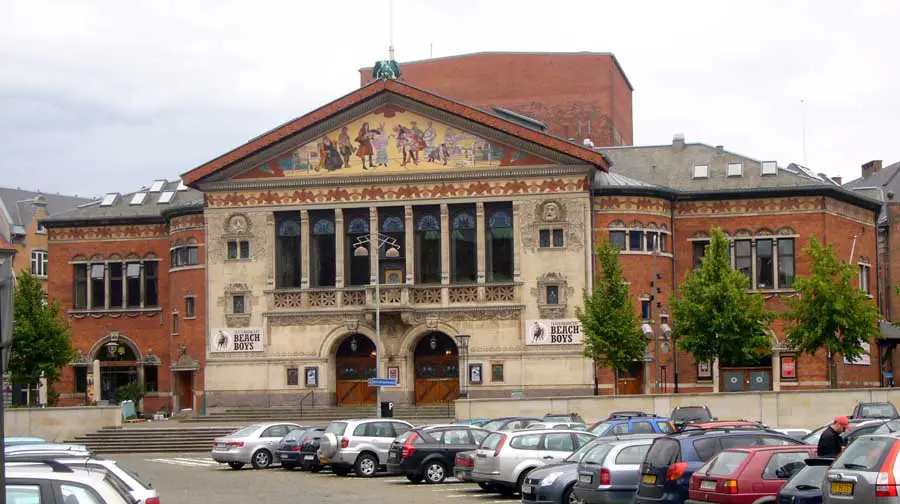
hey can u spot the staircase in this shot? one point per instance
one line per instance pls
(320, 416)
(152, 439)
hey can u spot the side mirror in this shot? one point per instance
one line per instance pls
(715, 419)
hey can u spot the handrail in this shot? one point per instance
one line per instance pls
(312, 394)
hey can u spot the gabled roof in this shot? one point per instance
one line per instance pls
(495, 121)
(878, 185)
(18, 206)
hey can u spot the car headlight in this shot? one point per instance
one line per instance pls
(550, 478)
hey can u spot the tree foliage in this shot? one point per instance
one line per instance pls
(612, 335)
(41, 342)
(831, 312)
(715, 316)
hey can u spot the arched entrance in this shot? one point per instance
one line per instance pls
(354, 365)
(436, 360)
(119, 366)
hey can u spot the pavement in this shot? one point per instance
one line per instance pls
(194, 478)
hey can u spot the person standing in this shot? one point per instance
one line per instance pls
(830, 443)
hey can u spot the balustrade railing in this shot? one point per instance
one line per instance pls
(395, 295)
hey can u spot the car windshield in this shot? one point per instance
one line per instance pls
(663, 453)
(557, 418)
(888, 427)
(296, 435)
(865, 454)
(877, 411)
(813, 437)
(494, 425)
(336, 428)
(809, 478)
(491, 442)
(579, 454)
(245, 431)
(601, 427)
(726, 463)
(691, 414)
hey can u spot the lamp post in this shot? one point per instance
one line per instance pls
(360, 250)
(462, 343)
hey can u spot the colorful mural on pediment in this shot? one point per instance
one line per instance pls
(393, 140)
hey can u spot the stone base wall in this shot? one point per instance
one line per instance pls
(60, 424)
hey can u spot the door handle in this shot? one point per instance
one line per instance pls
(548, 457)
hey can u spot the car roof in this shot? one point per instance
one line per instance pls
(759, 449)
(723, 423)
(724, 431)
(546, 431)
(632, 441)
(45, 447)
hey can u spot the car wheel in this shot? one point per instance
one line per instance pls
(235, 465)
(487, 487)
(366, 466)
(340, 471)
(261, 459)
(521, 481)
(569, 496)
(435, 472)
(413, 478)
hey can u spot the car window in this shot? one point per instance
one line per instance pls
(245, 431)
(665, 427)
(336, 428)
(865, 454)
(632, 454)
(777, 441)
(887, 427)
(526, 442)
(809, 478)
(727, 442)
(23, 494)
(597, 454)
(785, 464)
(559, 442)
(78, 495)
(360, 430)
(400, 428)
(278, 431)
(583, 439)
(642, 428)
(706, 448)
(292, 428)
(578, 454)
(600, 428)
(877, 410)
(381, 429)
(455, 437)
(477, 435)
(295, 435)
(494, 425)
(491, 442)
(663, 453)
(691, 414)
(726, 463)
(621, 428)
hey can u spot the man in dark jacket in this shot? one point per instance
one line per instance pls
(830, 443)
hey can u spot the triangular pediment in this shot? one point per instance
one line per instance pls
(390, 128)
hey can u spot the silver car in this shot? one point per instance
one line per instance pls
(610, 473)
(360, 445)
(867, 471)
(504, 459)
(254, 444)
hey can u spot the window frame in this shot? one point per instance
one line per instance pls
(190, 307)
(235, 248)
(738, 173)
(700, 171)
(864, 279)
(551, 232)
(39, 258)
(234, 304)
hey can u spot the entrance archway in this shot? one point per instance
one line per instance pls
(119, 366)
(436, 361)
(354, 365)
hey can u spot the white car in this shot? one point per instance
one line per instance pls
(28, 483)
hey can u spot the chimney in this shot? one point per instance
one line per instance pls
(678, 140)
(837, 180)
(720, 149)
(871, 168)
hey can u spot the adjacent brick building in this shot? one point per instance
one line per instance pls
(129, 271)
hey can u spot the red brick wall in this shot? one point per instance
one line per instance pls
(557, 89)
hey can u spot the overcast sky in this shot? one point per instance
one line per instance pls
(102, 96)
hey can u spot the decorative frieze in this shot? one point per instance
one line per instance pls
(107, 233)
(186, 222)
(632, 204)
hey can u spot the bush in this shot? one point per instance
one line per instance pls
(131, 392)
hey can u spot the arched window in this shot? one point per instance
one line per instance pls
(322, 257)
(358, 225)
(392, 224)
(358, 266)
(287, 250)
(428, 245)
(323, 226)
(392, 258)
(499, 242)
(463, 256)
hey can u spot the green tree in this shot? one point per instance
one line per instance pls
(41, 342)
(609, 320)
(715, 316)
(830, 312)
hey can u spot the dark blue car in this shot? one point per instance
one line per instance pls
(806, 486)
(667, 469)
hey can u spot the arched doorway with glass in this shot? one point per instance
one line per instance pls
(120, 366)
(436, 358)
(354, 365)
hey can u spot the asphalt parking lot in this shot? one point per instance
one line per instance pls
(196, 479)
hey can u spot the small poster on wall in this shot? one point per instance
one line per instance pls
(704, 371)
(312, 377)
(863, 360)
(394, 373)
(475, 376)
(789, 367)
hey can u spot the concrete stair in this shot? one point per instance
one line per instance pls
(320, 416)
(152, 439)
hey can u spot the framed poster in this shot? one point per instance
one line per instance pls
(393, 276)
(394, 373)
(704, 371)
(475, 376)
(312, 376)
(789, 367)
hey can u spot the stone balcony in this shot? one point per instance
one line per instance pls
(394, 297)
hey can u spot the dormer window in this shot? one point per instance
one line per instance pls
(157, 185)
(769, 168)
(735, 169)
(109, 199)
(165, 197)
(701, 171)
(138, 198)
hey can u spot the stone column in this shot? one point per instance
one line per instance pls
(339, 247)
(445, 244)
(480, 240)
(775, 284)
(410, 245)
(304, 249)
(375, 275)
(517, 242)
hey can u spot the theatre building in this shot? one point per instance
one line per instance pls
(453, 241)
(129, 272)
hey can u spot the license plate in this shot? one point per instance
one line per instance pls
(841, 488)
(649, 479)
(220, 446)
(284, 455)
(392, 456)
(707, 485)
(527, 489)
(323, 460)
(585, 478)
(309, 457)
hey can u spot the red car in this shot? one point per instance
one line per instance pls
(744, 475)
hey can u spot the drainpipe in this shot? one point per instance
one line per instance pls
(674, 287)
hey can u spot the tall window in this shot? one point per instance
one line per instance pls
(133, 284)
(765, 265)
(864, 277)
(499, 243)
(190, 307)
(463, 258)
(322, 252)
(428, 246)
(358, 267)
(184, 255)
(175, 326)
(646, 311)
(392, 259)
(81, 286)
(98, 286)
(151, 292)
(116, 285)
(635, 240)
(617, 239)
(743, 258)
(785, 263)
(287, 250)
(652, 237)
(699, 250)
(39, 263)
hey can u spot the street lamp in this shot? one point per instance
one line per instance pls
(462, 342)
(647, 329)
(111, 348)
(393, 251)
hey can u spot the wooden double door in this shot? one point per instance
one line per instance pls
(437, 379)
(352, 385)
(631, 381)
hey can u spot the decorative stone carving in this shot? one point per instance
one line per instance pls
(238, 224)
(237, 288)
(466, 315)
(432, 321)
(463, 294)
(527, 229)
(237, 319)
(288, 300)
(301, 319)
(500, 293)
(552, 211)
(575, 229)
(430, 295)
(564, 291)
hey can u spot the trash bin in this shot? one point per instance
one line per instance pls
(387, 409)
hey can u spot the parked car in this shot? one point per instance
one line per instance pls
(309, 450)
(683, 415)
(254, 444)
(888, 427)
(463, 465)
(509, 423)
(20, 440)
(50, 481)
(806, 486)
(558, 425)
(794, 433)
(858, 428)
(865, 472)
(430, 454)
(620, 424)
(672, 460)
(611, 472)
(475, 422)
(746, 475)
(360, 445)
(875, 410)
(504, 459)
(563, 417)
(47, 447)
(141, 491)
(288, 451)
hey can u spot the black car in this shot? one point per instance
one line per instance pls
(309, 447)
(683, 415)
(288, 451)
(431, 453)
(805, 487)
